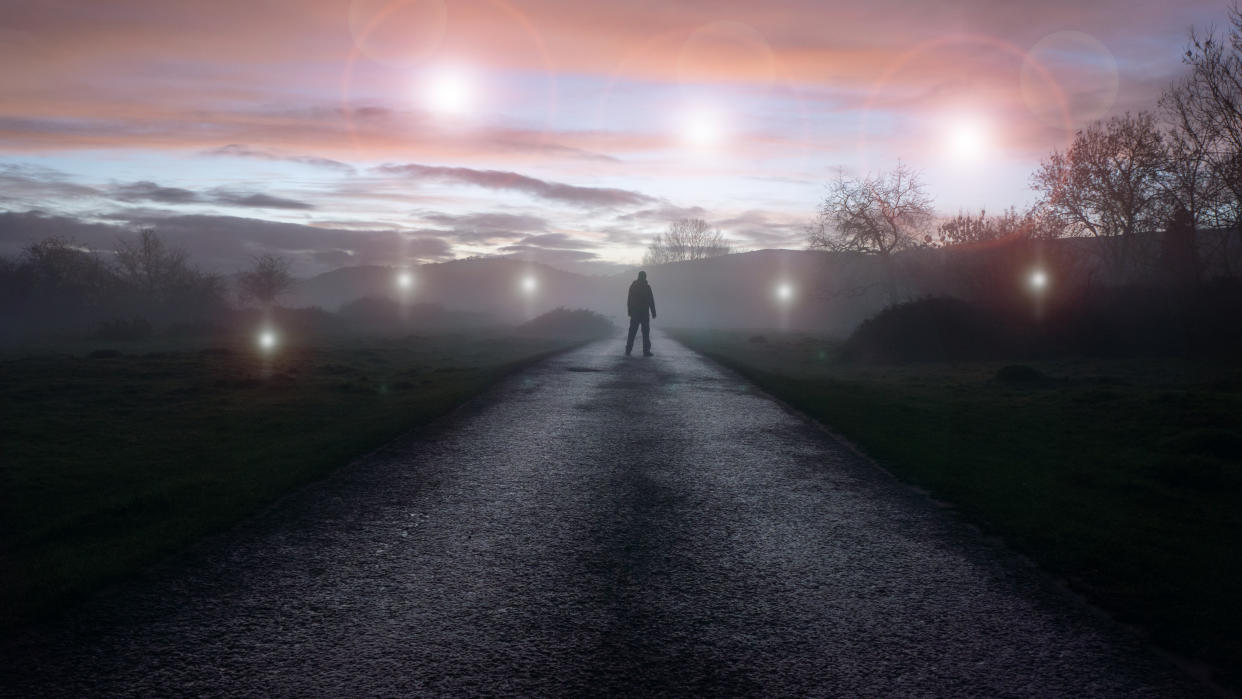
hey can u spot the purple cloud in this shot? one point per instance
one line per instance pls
(500, 179)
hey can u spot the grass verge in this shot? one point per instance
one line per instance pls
(115, 460)
(1124, 477)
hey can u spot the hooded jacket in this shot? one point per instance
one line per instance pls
(640, 299)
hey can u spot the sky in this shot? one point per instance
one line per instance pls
(399, 132)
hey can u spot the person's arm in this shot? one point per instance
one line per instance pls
(651, 301)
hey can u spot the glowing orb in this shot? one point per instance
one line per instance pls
(702, 129)
(450, 91)
(967, 141)
(405, 280)
(784, 291)
(1039, 280)
(267, 340)
(529, 284)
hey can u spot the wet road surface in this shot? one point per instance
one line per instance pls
(597, 525)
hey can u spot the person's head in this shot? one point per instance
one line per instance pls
(642, 276)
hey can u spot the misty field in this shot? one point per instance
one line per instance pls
(1122, 476)
(116, 458)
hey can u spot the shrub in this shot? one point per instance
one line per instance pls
(926, 330)
(566, 323)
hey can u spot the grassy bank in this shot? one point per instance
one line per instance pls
(1123, 476)
(110, 462)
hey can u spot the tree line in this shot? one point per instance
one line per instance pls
(1155, 196)
(686, 239)
(56, 285)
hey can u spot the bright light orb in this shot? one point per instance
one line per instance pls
(784, 291)
(450, 92)
(529, 284)
(267, 340)
(967, 141)
(702, 129)
(1039, 280)
(405, 280)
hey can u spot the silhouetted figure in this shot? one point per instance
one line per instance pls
(638, 303)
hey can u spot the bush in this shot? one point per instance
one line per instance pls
(566, 323)
(930, 329)
(1135, 320)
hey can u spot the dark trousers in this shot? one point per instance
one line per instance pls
(635, 322)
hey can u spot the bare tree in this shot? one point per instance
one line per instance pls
(1107, 185)
(686, 239)
(266, 281)
(875, 215)
(1205, 154)
(149, 265)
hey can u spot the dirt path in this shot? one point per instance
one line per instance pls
(597, 525)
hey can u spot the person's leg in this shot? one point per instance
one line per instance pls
(646, 335)
(629, 340)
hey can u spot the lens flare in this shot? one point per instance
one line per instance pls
(397, 33)
(784, 291)
(726, 47)
(529, 284)
(1074, 63)
(405, 280)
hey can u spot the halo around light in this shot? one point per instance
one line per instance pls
(267, 339)
(967, 139)
(702, 128)
(1038, 280)
(450, 91)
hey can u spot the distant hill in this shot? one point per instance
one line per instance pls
(491, 285)
(828, 292)
(737, 290)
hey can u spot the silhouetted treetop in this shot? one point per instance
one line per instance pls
(266, 281)
(686, 239)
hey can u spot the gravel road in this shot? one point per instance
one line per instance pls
(597, 525)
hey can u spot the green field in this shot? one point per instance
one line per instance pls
(109, 463)
(1124, 477)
